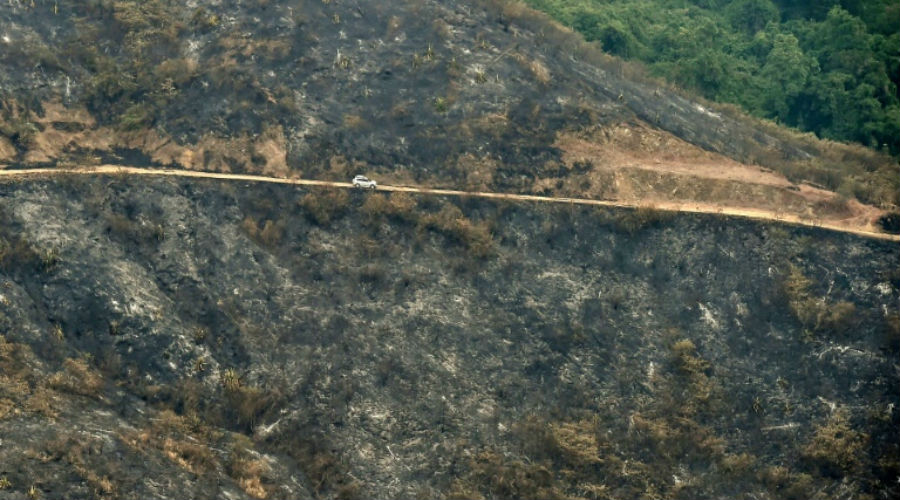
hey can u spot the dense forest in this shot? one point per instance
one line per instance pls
(827, 66)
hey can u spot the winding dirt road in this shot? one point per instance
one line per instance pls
(757, 214)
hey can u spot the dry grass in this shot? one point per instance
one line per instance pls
(506, 478)
(817, 314)
(399, 206)
(247, 469)
(269, 236)
(684, 354)
(574, 458)
(42, 401)
(538, 70)
(16, 251)
(835, 446)
(179, 440)
(450, 221)
(786, 484)
(323, 206)
(246, 402)
(354, 122)
(577, 441)
(8, 151)
(77, 377)
(633, 220)
(20, 389)
(83, 456)
(478, 171)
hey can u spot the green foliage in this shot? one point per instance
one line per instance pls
(137, 116)
(751, 15)
(130, 86)
(441, 105)
(826, 67)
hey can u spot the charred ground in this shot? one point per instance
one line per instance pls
(168, 338)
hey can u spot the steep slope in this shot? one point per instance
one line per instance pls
(163, 339)
(166, 338)
(482, 94)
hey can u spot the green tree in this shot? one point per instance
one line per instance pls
(751, 15)
(831, 66)
(786, 73)
(617, 39)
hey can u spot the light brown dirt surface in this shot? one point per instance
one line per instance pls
(636, 164)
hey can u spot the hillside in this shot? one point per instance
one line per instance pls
(486, 95)
(165, 339)
(172, 337)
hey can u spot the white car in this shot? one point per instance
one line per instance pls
(361, 181)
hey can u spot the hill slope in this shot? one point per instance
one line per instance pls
(483, 94)
(165, 339)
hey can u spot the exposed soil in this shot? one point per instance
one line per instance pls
(637, 164)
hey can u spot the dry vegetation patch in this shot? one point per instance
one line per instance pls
(7, 150)
(78, 377)
(325, 205)
(267, 233)
(818, 315)
(248, 468)
(179, 439)
(835, 446)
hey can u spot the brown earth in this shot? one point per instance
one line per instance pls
(631, 162)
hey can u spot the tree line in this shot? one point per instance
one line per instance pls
(830, 67)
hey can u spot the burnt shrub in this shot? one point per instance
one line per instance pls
(324, 206)
(890, 222)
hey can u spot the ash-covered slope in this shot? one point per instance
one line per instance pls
(166, 339)
(459, 93)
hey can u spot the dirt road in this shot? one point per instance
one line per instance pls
(664, 206)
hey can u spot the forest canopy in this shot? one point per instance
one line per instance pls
(828, 66)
